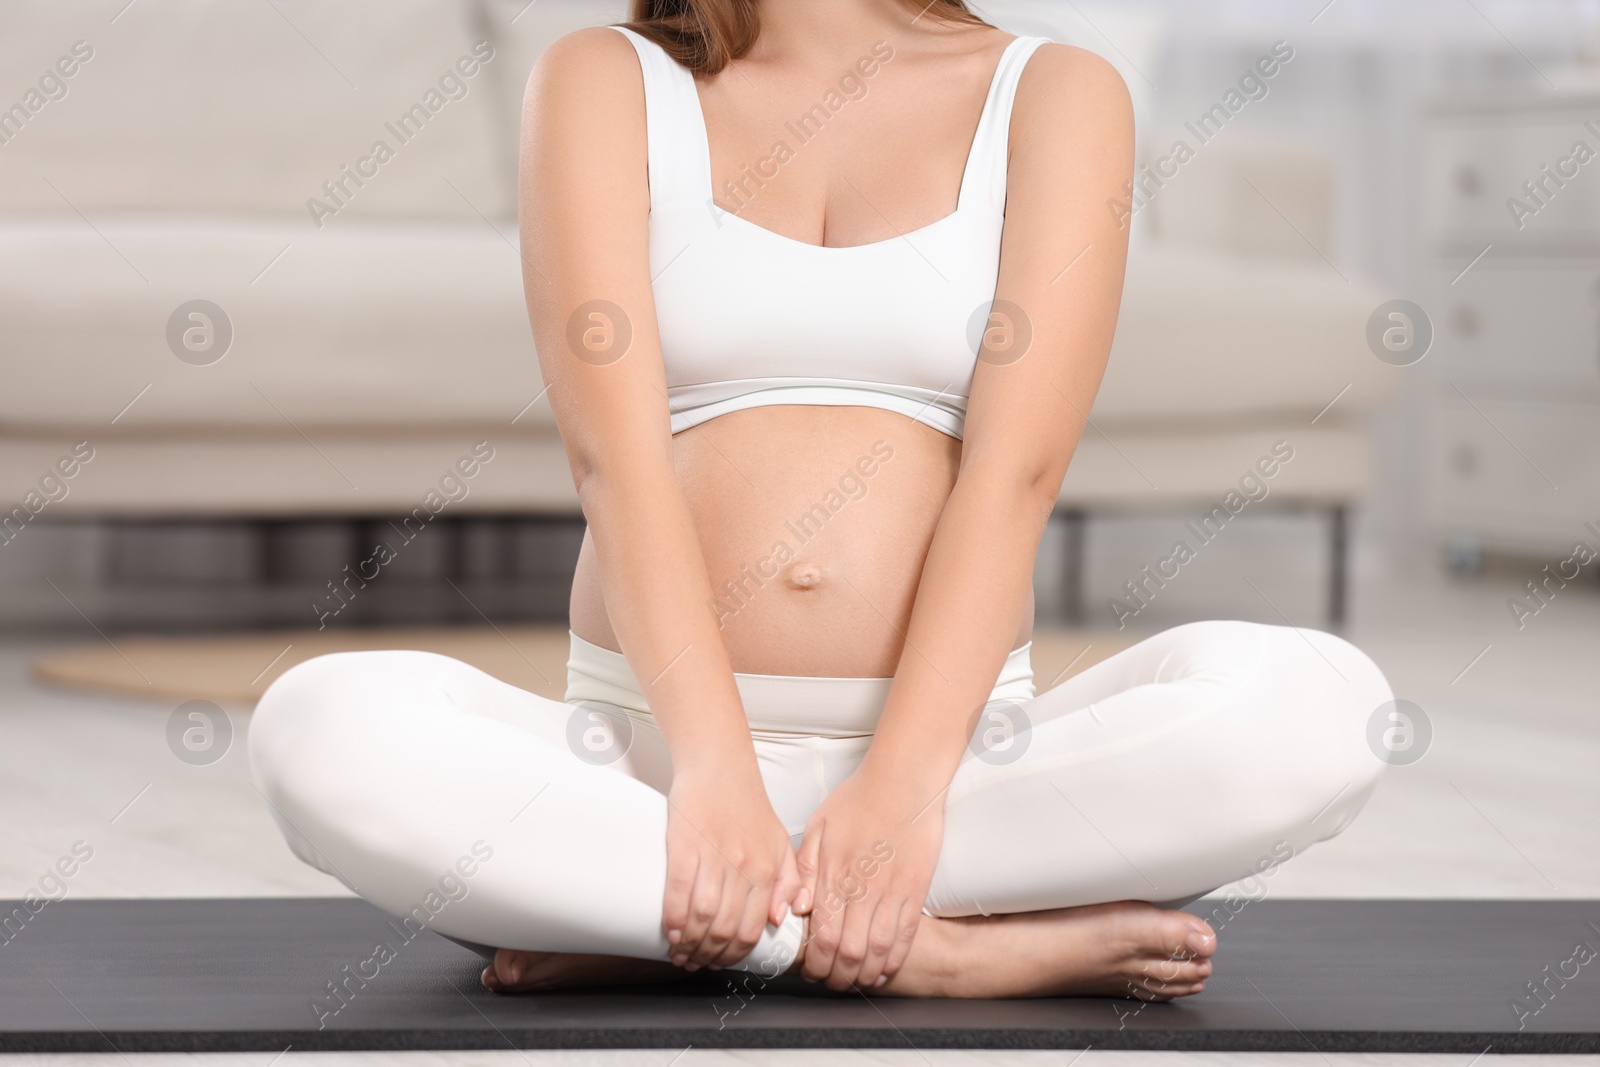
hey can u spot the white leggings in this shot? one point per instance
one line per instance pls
(1195, 758)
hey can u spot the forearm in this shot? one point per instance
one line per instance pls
(975, 584)
(656, 588)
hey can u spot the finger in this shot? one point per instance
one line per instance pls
(784, 890)
(704, 902)
(826, 919)
(730, 909)
(751, 924)
(852, 952)
(820, 948)
(905, 935)
(682, 867)
(806, 864)
(882, 935)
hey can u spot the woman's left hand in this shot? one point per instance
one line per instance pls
(865, 865)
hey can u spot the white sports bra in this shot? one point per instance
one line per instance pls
(749, 317)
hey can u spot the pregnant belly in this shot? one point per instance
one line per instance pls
(814, 523)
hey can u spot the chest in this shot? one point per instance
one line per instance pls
(841, 163)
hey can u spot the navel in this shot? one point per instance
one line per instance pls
(802, 575)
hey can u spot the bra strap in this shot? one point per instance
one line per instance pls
(984, 181)
(680, 166)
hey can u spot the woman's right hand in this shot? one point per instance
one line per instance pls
(730, 869)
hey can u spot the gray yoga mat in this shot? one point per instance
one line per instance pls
(1292, 976)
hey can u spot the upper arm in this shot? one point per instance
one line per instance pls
(1071, 155)
(583, 207)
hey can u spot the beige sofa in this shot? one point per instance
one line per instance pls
(225, 153)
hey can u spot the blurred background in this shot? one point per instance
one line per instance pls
(268, 386)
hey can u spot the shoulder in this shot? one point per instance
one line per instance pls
(1069, 88)
(594, 66)
(600, 51)
(584, 100)
(1072, 116)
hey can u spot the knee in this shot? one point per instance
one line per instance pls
(308, 708)
(1347, 693)
(1328, 687)
(309, 690)
(1356, 683)
(1223, 651)
(1304, 662)
(1309, 698)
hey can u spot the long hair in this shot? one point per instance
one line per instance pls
(705, 35)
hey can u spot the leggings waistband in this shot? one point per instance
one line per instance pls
(776, 703)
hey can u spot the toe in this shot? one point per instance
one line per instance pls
(1200, 939)
(1183, 935)
(1174, 971)
(1173, 992)
(1154, 988)
(509, 966)
(1169, 934)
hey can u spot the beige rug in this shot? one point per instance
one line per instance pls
(236, 669)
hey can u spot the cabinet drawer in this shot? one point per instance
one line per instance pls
(1526, 329)
(1473, 165)
(1496, 486)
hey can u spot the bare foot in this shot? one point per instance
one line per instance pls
(516, 971)
(1127, 949)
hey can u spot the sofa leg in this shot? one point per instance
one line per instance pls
(1338, 565)
(1072, 566)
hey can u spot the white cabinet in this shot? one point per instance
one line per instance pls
(1477, 162)
(1514, 473)
(1524, 328)
(1513, 441)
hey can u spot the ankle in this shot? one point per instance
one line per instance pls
(938, 963)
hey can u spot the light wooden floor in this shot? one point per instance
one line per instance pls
(237, 669)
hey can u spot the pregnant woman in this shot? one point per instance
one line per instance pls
(822, 292)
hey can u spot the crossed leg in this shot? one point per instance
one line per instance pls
(1183, 763)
